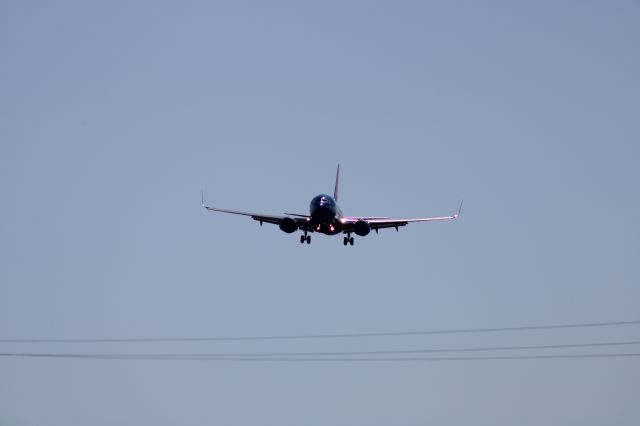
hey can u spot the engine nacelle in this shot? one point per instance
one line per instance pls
(361, 228)
(288, 225)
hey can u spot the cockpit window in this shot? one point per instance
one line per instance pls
(323, 200)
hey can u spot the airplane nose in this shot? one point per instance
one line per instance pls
(323, 213)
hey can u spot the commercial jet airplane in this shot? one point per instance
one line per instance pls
(326, 217)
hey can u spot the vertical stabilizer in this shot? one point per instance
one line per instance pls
(335, 191)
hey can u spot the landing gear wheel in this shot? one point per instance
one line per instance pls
(351, 240)
(308, 238)
(345, 240)
(302, 239)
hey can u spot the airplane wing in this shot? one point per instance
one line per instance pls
(381, 223)
(266, 218)
(298, 215)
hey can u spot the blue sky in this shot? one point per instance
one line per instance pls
(114, 116)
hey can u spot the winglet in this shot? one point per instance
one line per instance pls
(202, 197)
(335, 191)
(459, 210)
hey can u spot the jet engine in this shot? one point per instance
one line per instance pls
(288, 225)
(361, 228)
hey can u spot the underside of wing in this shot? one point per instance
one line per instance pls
(255, 216)
(376, 223)
(299, 221)
(298, 215)
(356, 218)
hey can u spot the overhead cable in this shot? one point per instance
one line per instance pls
(326, 336)
(324, 359)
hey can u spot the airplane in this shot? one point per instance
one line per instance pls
(326, 218)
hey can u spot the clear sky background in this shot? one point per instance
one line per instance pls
(113, 116)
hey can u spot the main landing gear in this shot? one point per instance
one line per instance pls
(305, 238)
(348, 240)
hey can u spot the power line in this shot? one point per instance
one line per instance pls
(356, 353)
(326, 336)
(288, 355)
(326, 359)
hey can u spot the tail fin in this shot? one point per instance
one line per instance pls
(335, 191)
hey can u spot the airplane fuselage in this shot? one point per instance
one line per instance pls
(325, 215)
